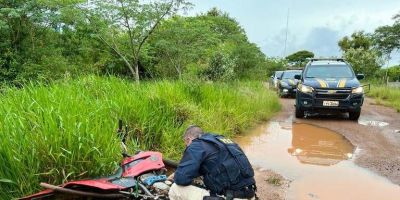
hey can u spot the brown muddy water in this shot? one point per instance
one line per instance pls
(317, 161)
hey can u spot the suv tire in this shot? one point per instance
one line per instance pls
(354, 115)
(299, 112)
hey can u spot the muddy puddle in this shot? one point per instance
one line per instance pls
(319, 162)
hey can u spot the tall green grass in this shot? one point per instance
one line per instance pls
(67, 130)
(386, 95)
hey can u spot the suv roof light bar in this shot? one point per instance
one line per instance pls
(327, 59)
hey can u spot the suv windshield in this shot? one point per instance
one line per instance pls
(278, 73)
(329, 71)
(290, 74)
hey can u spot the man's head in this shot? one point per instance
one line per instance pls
(191, 133)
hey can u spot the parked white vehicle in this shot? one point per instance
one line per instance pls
(274, 79)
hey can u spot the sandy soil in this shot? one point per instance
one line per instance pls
(270, 185)
(378, 143)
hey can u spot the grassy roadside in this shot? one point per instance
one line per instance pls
(67, 130)
(386, 96)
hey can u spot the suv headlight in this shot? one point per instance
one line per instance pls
(358, 90)
(305, 88)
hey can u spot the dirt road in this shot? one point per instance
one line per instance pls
(315, 161)
(379, 143)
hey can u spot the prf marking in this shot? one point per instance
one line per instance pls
(226, 141)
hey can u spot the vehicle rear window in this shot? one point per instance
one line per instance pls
(329, 71)
(290, 74)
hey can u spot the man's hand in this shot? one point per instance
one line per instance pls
(171, 177)
(199, 182)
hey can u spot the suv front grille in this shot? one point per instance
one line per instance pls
(332, 93)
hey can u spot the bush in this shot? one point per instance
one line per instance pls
(222, 67)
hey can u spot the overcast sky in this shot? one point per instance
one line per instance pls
(314, 25)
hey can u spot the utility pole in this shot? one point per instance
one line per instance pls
(287, 31)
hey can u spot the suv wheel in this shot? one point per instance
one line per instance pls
(354, 115)
(299, 112)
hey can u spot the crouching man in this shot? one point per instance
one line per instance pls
(224, 167)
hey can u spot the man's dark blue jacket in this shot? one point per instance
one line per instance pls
(208, 157)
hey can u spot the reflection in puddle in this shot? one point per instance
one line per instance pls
(372, 121)
(317, 160)
(319, 146)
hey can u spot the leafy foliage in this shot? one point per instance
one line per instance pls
(358, 40)
(394, 73)
(129, 23)
(221, 68)
(387, 38)
(367, 52)
(363, 61)
(358, 51)
(44, 40)
(191, 46)
(300, 57)
(48, 40)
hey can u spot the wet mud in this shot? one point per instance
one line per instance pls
(327, 157)
(316, 161)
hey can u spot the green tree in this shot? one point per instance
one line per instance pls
(394, 73)
(30, 32)
(275, 64)
(187, 45)
(387, 38)
(178, 43)
(359, 52)
(129, 24)
(358, 40)
(300, 57)
(364, 61)
(52, 39)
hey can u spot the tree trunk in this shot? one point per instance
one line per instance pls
(176, 66)
(137, 77)
(178, 69)
(150, 32)
(135, 73)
